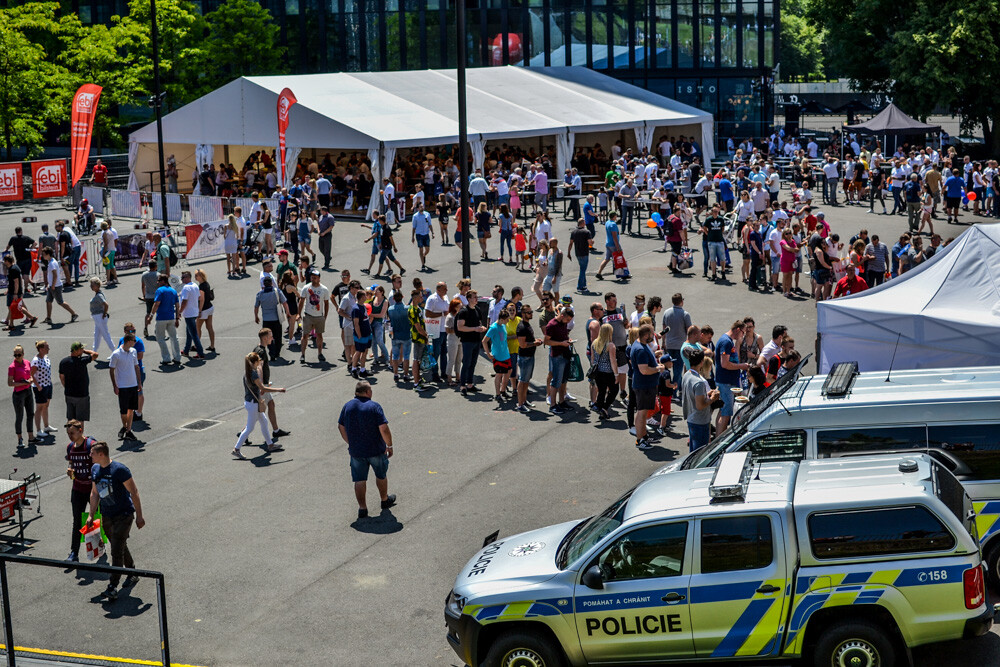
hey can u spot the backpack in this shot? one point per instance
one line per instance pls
(173, 257)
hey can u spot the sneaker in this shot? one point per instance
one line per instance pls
(322, 358)
(389, 501)
(529, 404)
(72, 558)
(420, 386)
(652, 421)
(111, 593)
(548, 400)
(238, 455)
(280, 433)
(556, 410)
(130, 581)
(604, 414)
(74, 317)
(570, 397)
(121, 432)
(643, 444)
(129, 435)
(631, 431)
(624, 395)
(362, 513)
(395, 377)
(522, 408)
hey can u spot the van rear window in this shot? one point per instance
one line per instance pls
(877, 532)
(970, 451)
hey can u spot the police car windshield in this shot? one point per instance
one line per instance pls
(588, 533)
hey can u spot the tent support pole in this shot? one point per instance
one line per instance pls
(463, 141)
(157, 103)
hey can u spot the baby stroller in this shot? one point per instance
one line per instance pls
(253, 246)
(732, 233)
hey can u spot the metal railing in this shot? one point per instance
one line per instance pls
(8, 625)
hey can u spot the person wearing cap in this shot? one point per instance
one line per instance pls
(664, 392)
(166, 306)
(314, 304)
(76, 382)
(283, 265)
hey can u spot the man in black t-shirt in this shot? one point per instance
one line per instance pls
(470, 330)
(527, 344)
(714, 229)
(21, 246)
(15, 290)
(266, 336)
(579, 248)
(76, 382)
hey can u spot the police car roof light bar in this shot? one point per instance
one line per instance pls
(732, 477)
(840, 379)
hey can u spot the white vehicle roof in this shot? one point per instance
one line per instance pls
(826, 483)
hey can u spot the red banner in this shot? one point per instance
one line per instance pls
(82, 125)
(285, 101)
(48, 178)
(11, 182)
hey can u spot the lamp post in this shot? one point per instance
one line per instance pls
(463, 141)
(156, 101)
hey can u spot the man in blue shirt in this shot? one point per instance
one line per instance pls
(726, 195)
(727, 371)
(611, 244)
(166, 305)
(365, 429)
(114, 491)
(645, 377)
(399, 320)
(323, 187)
(422, 233)
(954, 189)
(497, 351)
(590, 216)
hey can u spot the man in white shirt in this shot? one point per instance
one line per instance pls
(267, 271)
(665, 148)
(190, 297)
(127, 382)
(477, 189)
(241, 222)
(774, 245)
(54, 286)
(435, 311)
(497, 303)
(898, 177)
(773, 346)
(831, 173)
(544, 230)
(773, 184)
(760, 198)
(812, 148)
(388, 197)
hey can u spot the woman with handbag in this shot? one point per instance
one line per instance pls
(483, 222)
(255, 401)
(604, 370)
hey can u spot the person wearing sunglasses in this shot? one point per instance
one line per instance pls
(20, 379)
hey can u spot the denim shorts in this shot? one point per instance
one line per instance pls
(378, 464)
(728, 399)
(401, 349)
(700, 435)
(525, 368)
(560, 369)
(717, 253)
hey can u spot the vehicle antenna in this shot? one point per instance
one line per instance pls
(893, 360)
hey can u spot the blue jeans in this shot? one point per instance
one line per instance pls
(378, 340)
(470, 354)
(439, 350)
(717, 254)
(700, 434)
(74, 261)
(581, 282)
(728, 399)
(560, 369)
(627, 218)
(525, 368)
(704, 252)
(191, 335)
(508, 238)
(678, 364)
(378, 464)
(897, 200)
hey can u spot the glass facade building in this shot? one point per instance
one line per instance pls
(716, 55)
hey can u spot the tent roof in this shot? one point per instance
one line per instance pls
(892, 120)
(417, 108)
(960, 283)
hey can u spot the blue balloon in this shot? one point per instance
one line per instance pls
(658, 219)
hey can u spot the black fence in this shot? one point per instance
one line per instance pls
(8, 624)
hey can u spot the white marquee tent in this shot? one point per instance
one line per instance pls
(945, 313)
(380, 112)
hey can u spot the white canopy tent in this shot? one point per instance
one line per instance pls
(945, 313)
(380, 112)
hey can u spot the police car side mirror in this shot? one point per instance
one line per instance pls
(592, 578)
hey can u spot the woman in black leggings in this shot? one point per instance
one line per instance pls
(19, 377)
(605, 369)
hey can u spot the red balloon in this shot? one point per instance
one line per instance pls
(971, 196)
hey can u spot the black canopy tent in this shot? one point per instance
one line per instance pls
(892, 122)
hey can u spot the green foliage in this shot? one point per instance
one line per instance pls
(926, 54)
(243, 42)
(31, 84)
(801, 48)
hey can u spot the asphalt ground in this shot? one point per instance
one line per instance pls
(265, 561)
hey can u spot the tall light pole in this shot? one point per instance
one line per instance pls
(156, 101)
(463, 142)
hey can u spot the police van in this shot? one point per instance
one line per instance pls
(951, 414)
(848, 561)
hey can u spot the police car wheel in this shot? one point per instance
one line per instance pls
(522, 649)
(993, 564)
(854, 645)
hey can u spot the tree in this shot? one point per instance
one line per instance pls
(111, 57)
(802, 44)
(925, 54)
(31, 85)
(184, 56)
(243, 41)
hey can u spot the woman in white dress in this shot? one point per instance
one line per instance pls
(231, 246)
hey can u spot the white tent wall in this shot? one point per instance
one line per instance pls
(564, 152)
(644, 137)
(478, 149)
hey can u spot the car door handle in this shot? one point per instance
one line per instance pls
(673, 597)
(767, 589)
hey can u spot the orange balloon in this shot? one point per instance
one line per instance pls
(651, 224)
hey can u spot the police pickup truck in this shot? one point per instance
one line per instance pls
(847, 562)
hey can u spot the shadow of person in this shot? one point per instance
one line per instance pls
(385, 523)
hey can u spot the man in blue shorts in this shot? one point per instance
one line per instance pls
(365, 429)
(422, 233)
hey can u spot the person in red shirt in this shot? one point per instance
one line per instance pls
(99, 174)
(852, 283)
(460, 223)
